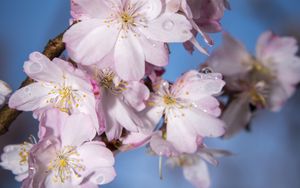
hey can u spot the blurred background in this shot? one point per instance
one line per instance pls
(268, 156)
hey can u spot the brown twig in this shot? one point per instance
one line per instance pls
(53, 49)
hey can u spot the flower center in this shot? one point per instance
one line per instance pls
(66, 164)
(24, 153)
(169, 101)
(65, 98)
(106, 80)
(126, 18)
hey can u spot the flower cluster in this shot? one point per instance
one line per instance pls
(265, 80)
(110, 96)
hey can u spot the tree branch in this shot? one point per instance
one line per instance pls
(53, 49)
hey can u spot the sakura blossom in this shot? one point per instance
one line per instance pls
(204, 16)
(57, 85)
(5, 91)
(66, 156)
(136, 30)
(185, 104)
(264, 81)
(120, 102)
(99, 89)
(194, 166)
(15, 159)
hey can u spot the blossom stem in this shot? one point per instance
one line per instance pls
(53, 49)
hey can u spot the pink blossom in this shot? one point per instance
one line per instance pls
(120, 102)
(65, 157)
(194, 166)
(185, 105)
(57, 85)
(204, 15)
(269, 78)
(136, 30)
(15, 159)
(5, 91)
(278, 55)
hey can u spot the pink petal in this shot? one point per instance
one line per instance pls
(173, 5)
(151, 9)
(194, 85)
(136, 94)
(98, 160)
(40, 68)
(77, 129)
(129, 57)
(118, 114)
(29, 98)
(92, 9)
(197, 174)
(229, 59)
(169, 27)
(181, 138)
(162, 147)
(153, 47)
(51, 123)
(87, 41)
(202, 124)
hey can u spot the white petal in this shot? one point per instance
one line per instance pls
(129, 57)
(29, 98)
(77, 129)
(231, 58)
(5, 89)
(197, 174)
(150, 47)
(87, 41)
(95, 9)
(168, 27)
(40, 68)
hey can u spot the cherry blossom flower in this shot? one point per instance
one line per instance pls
(5, 91)
(275, 57)
(136, 30)
(120, 102)
(204, 16)
(264, 81)
(57, 85)
(194, 166)
(65, 157)
(185, 104)
(15, 159)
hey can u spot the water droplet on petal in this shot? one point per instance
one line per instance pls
(100, 180)
(206, 70)
(35, 67)
(168, 25)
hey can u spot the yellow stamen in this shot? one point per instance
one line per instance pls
(168, 100)
(127, 19)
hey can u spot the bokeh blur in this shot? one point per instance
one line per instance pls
(266, 157)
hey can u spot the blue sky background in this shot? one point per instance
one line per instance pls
(269, 156)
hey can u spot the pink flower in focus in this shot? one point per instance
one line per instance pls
(58, 85)
(120, 103)
(189, 109)
(136, 30)
(65, 156)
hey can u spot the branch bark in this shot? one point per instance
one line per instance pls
(53, 49)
